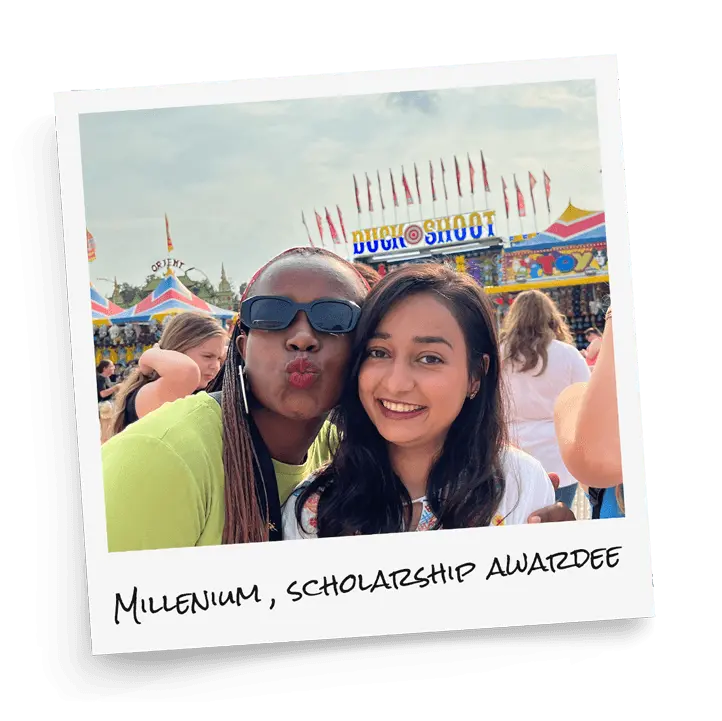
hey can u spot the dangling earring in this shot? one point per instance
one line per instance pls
(243, 389)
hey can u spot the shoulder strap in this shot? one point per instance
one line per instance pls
(266, 483)
(596, 497)
(130, 415)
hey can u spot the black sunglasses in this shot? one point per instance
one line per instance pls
(276, 312)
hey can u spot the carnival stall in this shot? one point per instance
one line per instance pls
(465, 242)
(568, 262)
(133, 331)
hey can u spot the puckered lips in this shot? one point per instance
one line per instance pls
(302, 374)
(400, 411)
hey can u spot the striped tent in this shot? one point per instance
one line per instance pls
(102, 308)
(170, 297)
(573, 227)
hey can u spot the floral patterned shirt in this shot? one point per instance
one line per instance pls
(528, 489)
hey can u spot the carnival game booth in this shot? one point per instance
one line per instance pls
(466, 242)
(135, 330)
(568, 262)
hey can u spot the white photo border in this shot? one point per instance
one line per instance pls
(577, 594)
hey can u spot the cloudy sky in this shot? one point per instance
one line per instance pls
(234, 179)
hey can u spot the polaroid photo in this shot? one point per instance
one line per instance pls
(353, 309)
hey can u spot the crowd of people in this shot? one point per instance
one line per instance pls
(348, 404)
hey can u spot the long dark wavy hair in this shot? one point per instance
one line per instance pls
(359, 491)
(244, 522)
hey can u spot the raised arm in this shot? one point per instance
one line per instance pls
(587, 422)
(178, 375)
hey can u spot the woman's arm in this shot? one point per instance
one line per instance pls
(587, 423)
(593, 349)
(179, 377)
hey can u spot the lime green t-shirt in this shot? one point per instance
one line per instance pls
(164, 480)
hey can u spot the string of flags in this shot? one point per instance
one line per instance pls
(478, 179)
(409, 198)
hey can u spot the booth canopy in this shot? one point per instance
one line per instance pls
(170, 297)
(573, 227)
(102, 308)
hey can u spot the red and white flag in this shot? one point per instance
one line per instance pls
(506, 199)
(443, 179)
(520, 206)
(483, 172)
(458, 177)
(532, 185)
(91, 245)
(343, 227)
(407, 190)
(308, 232)
(358, 197)
(433, 187)
(168, 240)
(368, 188)
(319, 223)
(471, 174)
(418, 187)
(381, 195)
(393, 190)
(331, 227)
(547, 189)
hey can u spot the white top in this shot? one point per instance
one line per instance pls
(528, 489)
(532, 400)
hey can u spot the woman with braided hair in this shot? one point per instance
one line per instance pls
(212, 469)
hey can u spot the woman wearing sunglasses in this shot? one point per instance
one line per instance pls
(208, 470)
(421, 418)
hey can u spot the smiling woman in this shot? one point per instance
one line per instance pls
(421, 419)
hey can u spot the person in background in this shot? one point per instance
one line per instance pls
(423, 438)
(587, 428)
(594, 340)
(187, 357)
(103, 373)
(539, 361)
(370, 275)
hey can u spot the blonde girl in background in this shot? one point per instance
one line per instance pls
(187, 358)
